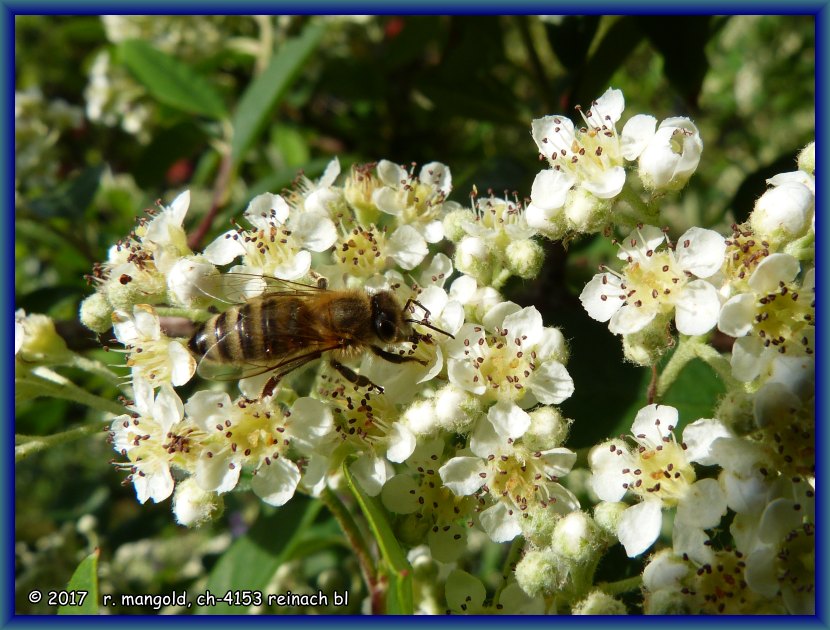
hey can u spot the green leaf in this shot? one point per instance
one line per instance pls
(170, 81)
(83, 587)
(399, 596)
(252, 559)
(265, 92)
(71, 198)
(695, 393)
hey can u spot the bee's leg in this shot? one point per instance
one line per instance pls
(270, 386)
(358, 380)
(322, 281)
(394, 358)
(408, 307)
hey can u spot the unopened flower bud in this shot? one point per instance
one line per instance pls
(783, 213)
(96, 313)
(454, 222)
(807, 159)
(538, 573)
(586, 213)
(576, 537)
(524, 258)
(39, 341)
(124, 291)
(607, 516)
(473, 258)
(548, 429)
(599, 603)
(193, 506)
(646, 346)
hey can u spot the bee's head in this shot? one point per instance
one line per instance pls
(387, 318)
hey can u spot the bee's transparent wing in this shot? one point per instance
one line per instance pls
(280, 365)
(238, 287)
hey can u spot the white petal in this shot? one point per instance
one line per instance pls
(761, 573)
(124, 328)
(665, 571)
(500, 523)
(609, 107)
(486, 441)
(700, 251)
(463, 591)
(407, 247)
(386, 199)
(391, 174)
(167, 409)
(636, 134)
(607, 479)
(607, 185)
(653, 422)
(311, 419)
(693, 542)
(558, 461)
(401, 443)
(400, 494)
(433, 232)
(551, 383)
(508, 419)
(550, 189)
(602, 296)
(276, 482)
(779, 519)
(447, 543)
(697, 308)
(630, 319)
(182, 363)
(156, 484)
(787, 208)
(371, 472)
(746, 358)
(215, 474)
(315, 231)
(524, 325)
(330, 174)
(495, 316)
(463, 475)
(703, 505)
(772, 270)
(295, 267)
(551, 133)
(699, 436)
(225, 248)
(438, 175)
(738, 314)
(640, 241)
(639, 527)
(147, 324)
(266, 209)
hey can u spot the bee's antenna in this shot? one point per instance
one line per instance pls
(425, 323)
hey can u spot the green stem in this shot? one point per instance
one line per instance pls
(510, 561)
(355, 538)
(621, 586)
(26, 445)
(499, 277)
(643, 212)
(690, 348)
(44, 382)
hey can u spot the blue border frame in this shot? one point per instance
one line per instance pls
(8, 10)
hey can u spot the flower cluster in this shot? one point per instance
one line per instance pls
(452, 425)
(444, 404)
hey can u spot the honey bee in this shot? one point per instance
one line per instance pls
(291, 324)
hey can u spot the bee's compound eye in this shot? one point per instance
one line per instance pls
(385, 329)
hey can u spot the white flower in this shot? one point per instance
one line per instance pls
(514, 477)
(591, 156)
(417, 201)
(510, 357)
(165, 236)
(188, 280)
(281, 242)
(668, 156)
(151, 440)
(775, 317)
(658, 470)
(249, 433)
(153, 355)
(658, 282)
